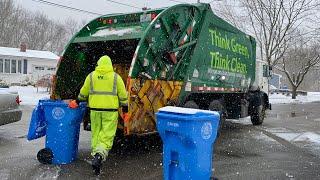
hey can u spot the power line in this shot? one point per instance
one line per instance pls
(179, 1)
(191, 2)
(214, 1)
(66, 7)
(123, 4)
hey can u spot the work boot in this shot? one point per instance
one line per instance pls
(87, 127)
(96, 163)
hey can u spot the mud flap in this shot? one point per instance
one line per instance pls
(255, 100)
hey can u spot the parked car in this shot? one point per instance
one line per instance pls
(9, 107)
(272, 89)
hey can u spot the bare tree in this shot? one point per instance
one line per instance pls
(71, 26)
(12, 23)
(299, 59)
(232, 12)
(273, 22)
(37, 30)
(59, 39)
(6, 11)
(17, 25)
(37, 35)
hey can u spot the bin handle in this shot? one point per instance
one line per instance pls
(175, 162)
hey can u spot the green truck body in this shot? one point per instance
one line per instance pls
(183, 55)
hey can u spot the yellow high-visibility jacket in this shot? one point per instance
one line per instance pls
(103, 88)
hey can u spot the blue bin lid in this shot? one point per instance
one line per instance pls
(61, 103)
(186, 111)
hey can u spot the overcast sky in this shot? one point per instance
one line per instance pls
(96, 6)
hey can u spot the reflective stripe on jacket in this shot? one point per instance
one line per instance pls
(103, 87)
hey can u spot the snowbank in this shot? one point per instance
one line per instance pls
(29, 95)
(283, 99)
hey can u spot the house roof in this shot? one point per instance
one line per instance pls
(29, 53)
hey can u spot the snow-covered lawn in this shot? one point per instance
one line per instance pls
(29, 95)
(283, 99)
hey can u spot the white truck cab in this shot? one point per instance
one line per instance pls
(263, 73)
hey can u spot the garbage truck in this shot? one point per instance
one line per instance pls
(183, 55)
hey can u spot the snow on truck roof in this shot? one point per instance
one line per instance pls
(119, 32)
(29, 53)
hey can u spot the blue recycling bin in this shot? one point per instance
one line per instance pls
(62, 130)
(188, 136)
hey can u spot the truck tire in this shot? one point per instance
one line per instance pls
(258, 115)
(191, 104)
(217, 105)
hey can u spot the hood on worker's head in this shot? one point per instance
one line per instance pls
(104, 64)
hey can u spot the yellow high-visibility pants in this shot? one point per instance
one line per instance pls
(103, 130)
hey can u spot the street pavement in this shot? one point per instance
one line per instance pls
(284, 147)
(272, 151)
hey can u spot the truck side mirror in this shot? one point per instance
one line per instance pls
(267, 71)
(270, 71)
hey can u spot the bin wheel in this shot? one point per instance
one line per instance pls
(45, 156)
(191, 104)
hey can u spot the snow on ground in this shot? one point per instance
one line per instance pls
(306, 139)
(283, 99)
(263, 137)
(29, 94)
(309, 136)
(244, 121)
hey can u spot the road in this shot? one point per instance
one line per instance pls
(284, 147)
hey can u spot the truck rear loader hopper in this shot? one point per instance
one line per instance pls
(183, 55)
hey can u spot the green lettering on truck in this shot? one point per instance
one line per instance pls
(219, 61)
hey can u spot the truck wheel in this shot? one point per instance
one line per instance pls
(191, 104)
(258, 115)
(216, 105)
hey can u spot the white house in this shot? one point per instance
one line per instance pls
(20, 66)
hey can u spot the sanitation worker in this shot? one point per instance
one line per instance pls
(105, 91)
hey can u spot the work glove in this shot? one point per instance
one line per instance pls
(73, 104)
(125, 117)
(125, 108)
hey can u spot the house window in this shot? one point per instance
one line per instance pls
(51, 69)
(7, 66)
(39, 68)
(13, 66)
(1, 65)
(19, 66)
(25, 66)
